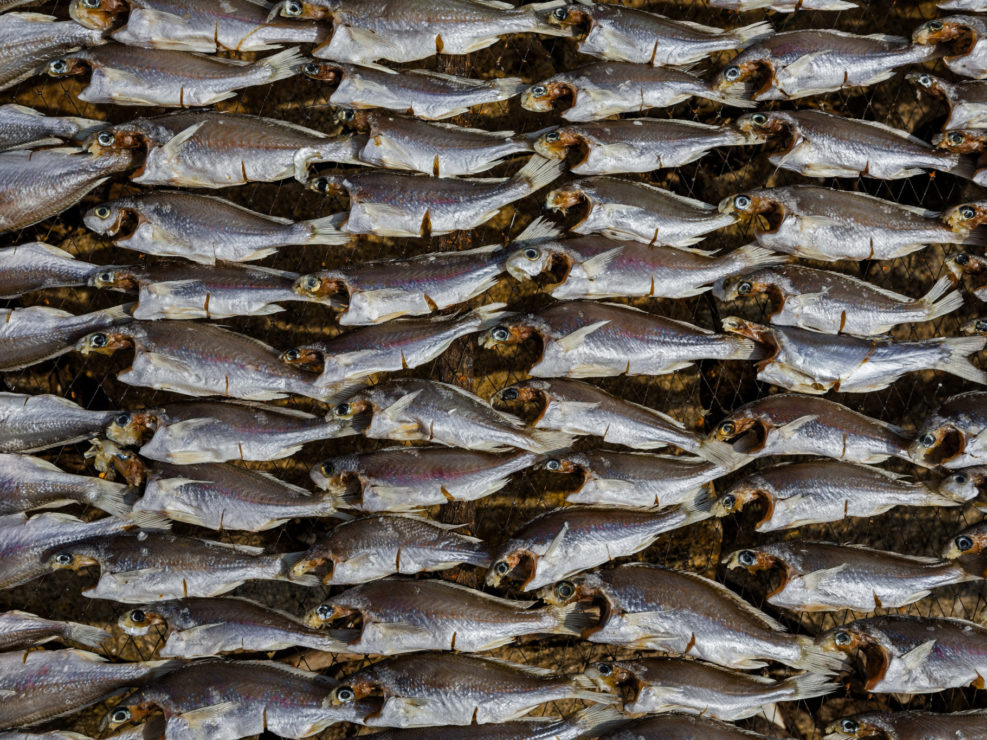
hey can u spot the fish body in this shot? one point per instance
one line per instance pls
(38, 333)
(21, 631)
(967, 100)
(969, 55)
(819, 491)
(28, 482)
(621, 209)
(560, 543)
(954, 434)
(375, 547)
(25, 128)
(781, 6)
(29, 40)
(32, 423)
(37, 266)
(587, 722)
(911, 725)
(675, 726)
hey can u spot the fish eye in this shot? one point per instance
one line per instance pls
(311, 282)
(732, 73)
(955, 138)
(120, 715)
(560, 14)
(502, 568)
(963, 543)
(292, 8)
(746, 558)
(744, 288)
(347, 114)
(759, 119)
(960, 478)
(728, 427)
(841, 637)
(292, 355)
(980, 325)
(564, 590)
(604, 669)
(935, 25)
(326, 469)
(728, 501)
(324, 612)
(345, 694)
(311, 69)
(539, 90)
(532, 254)
(552, 136)
(122, 420)
(849, 725)
(98, 340)
(106, 276)
(924, 80)
(137, 616)
(509, 394)
(742, 202)
(58, 66)
(967, 212)
(63, 558)
(500, 334)
(105, 138)
(553, 464)
(104, 213)
(962, 258)
(91, 4)
(927, 440)
(321, 185)
(342, 409)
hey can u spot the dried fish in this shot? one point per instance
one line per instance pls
(585, 339)
(621, 209)
(23, 128)
(798, 494)
(563, 542)
(649, 607)
(673, 726)
(28, 483)
(408, 478)
(20, 631)
(909, 725)
(32, 423)
(130, 75)
(834, 303)
(38, 333)
(967, 101)
(418, 92)
(29, 40)
(374, 547)
(586, 723)
(401, 204)
(962, 36)
(781, 6)
(604, 89)
(37, 266)
(953, 435)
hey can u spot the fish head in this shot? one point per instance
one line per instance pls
(758, 127)
(564, 198)
(114, 219)
(138, 622)
(99, 15)
(125, 714)
(738, 73)
(67, 66)
(856, 726)
(563, 465)
(130, 428)
(618, 679)
(309, 358)
(354, 119)
(511, 330)
(738, 496)
(738, 425)
(954, 31)
(335, 476)
(556, 144)
(533, 260)
(298, 10)
(975, 327)
(312, 560)
(104, 342)
(327, 72)
(570, 17)
(753, 561)
(115, 139)
(937, 445)
(927, 82)
(328, 185)
(854, 640)
(747, 285)
(325, 615)
(111, 461)
(965, 263)
(68, 560)
(351, 692)
(352, 408)
(115, 278)
(961, 141)
(971, 541)
(962, 485)
(757, 207)
(542, 97)
(514, 398)
(321, 287)
(517, 565)
(846, 639)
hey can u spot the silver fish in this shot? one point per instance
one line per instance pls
(835, 303)
(20, 631)
(781, 6)
(634, 144)
(35, 185)
(821, 576)
(560, 543)
(622, 209)
(586, 723)
(203, 228)
(954, 434)
(967, 100)
(826, 145)
(811, 362)
(32, 423)
(24, 128)
(29, 40)
(401, 204)
(37, 266)
(634, 35)
(37, 333)
(374, 547)
(32, 483)
(674, 726)
(647, 607)
(964, 37)
(586, 339)
(421, 93)
(408, 478)
(429, 411)
(817, 491)
(910, 725)
(604, 89)
(129, 75)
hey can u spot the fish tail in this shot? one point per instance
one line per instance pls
(585, 688)
(937, 302)
(548, 441)
(741, 348)
(539, 230)
(86, 634)
(508, 87)
(748, 35)
(283, 64)
(110, 498)
(594, 721)
(573, 619)
(754, 255)
(150, 520)
(287, 563)
(326, 230)
(957, 359)
(731, 99)
(721, 454)
(808, 685)
(961, 166)
(537, 173)
(486, 317)
(815, 660)
(976, 238)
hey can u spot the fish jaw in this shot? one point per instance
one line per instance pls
(102, 16)
(541, 98)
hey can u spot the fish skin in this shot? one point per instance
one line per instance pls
(418, 92)
(21, 631)
(204, 627)
(130, 75)
(621, 209)
(604, 89)
(402, 479)
(28, 483)
(586, 723)
(970, 59)
(797, 494)
(38, 266)
(967, 100)
(827, 224)
(373, 547)
(560, 543)
(835, 303)
(675, 726)
(33, 423)
(29, 40)
(35, 185)
(781, 6)
(651, 607)
(953, 435)
(24, 128)
(38, 333)
(822, 576)
(53, 683)
(912, 655)
(910, 725)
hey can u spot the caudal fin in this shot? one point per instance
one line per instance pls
(85, 634)
(809, 685)
(538, 173)
(939, 303)
(748, 35)
(816, 660)
(326, 230)
(110, 498)
(752, 255)
(573, 619)
(283, 64)
(957, 358)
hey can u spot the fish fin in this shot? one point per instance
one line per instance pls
(547, 441)
(957, 361)
(110, 498)
(914, 658)
(326, 230)
(197, 718)
(809, 685)
(965, 167)
(88, 656)
(819, 578)
(574, 340)
(486, 316)
(284, 64)
(815, 660)
(149, 520)
(556, 542)
(531, 670)
(597, 697)
(939, 303)
(86, 634)
(754, 255)
(752, 33)
(787, 431)
(538, 230)
(538, 173)
(573, 619)
(599, 263)
(398, 407)
(722, 454)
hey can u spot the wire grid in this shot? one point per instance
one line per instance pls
(698, 396)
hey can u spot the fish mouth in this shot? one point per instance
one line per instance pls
(576, 19)
(520, 405)
(957, 38)
(960, 142)
(545, 97)
(948, 443)
(102, 18)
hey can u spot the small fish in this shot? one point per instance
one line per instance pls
(821, 576)
(35, 185)
(25, 128)
(378, 291)
(151, 566)
(647, 607)
(38, 266)
(401, 204)
(401, 616)
(621, 209)
(38, 333)
(29, 40)
(954, 434)
(375, 547)
(673, 726)
(589, 722)
(636, 479)
(910, 725)
(389, 347)
(797, 494)
(28, 483)
(199, 628)
(210, 149)
(187, 25)
(21, 631)
(811, 362)
(408, 478)
(604, 89)
(963, 38)
(418, 92)
(834, 303)
(798, 64)
(32, 423)
(563, 542)
(53, 683)
(200, 360)
(677, 685)
(793, 424)
(819, 144)
(967, 100)
(586, 339)
(634, 35)
(129, 75)
(203, 228)
(912, 655)
(826, 224)
(965, 141)
(781, 6)
(450, 689)
(966, 549)
(634, 144)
